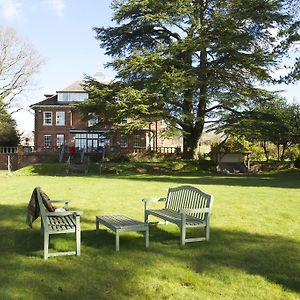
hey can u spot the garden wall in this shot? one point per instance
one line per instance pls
(18, 160)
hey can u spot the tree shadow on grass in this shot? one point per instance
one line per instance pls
(97, 274)
(271, 256)
(289, 180)
(283, 179)
(103, 273)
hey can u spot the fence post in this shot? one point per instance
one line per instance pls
(8, 163)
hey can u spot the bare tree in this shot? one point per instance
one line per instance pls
(18, 63)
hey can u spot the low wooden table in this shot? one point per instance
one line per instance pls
(122, 223)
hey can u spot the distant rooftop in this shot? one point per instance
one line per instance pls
(74, 87)
(77, 86)
(99, 76)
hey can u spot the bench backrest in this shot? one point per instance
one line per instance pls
(40, 201)
(188, 197)
(42, 208)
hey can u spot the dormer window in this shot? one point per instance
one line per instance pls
(71, 96)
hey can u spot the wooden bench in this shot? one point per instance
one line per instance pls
(185, 206)
(58, 222)
(121, 223)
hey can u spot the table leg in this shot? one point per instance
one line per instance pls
(117, 241)
(147, 237)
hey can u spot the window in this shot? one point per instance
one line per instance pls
(124, 141)
(71, 96)
(47, 118)
(60, 118)
(47, 141)
(93, 120)
(136, 141)
(91, 141)
(60, 140)
(124, 121)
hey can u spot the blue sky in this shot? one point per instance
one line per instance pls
(61, 32)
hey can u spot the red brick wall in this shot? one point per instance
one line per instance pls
(4, 161)
(73, 119)
(19, 161)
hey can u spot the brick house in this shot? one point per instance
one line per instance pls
(57, 123)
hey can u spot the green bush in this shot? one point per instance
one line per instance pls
(205, 164)
(297, 162)
(120, 158)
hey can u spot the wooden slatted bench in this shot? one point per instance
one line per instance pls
(122, 223)
(56, 223)
(185, 206)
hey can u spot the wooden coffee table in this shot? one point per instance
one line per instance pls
(122, 223)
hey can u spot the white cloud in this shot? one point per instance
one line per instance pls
(58, 7)
(10, 9)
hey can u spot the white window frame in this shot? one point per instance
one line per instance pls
(47, 119)
(124, 141)
(71, 96)
(59, 119)
(47, 141)
(60, 137)
(93, 120)
(136, 143)
(124, 120)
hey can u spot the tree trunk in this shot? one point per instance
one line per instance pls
(284, 148)
(190, 145)
(264, 146)
(278, 152)
(194, 123)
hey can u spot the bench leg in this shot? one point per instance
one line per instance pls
(182, 229)
(97, 225)
(42, 227)
(78, 241)
(146, 217)
(207, 232)
(46, 245)
(117, 241)
(182, 235)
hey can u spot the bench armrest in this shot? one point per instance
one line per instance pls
(148, 200)
(63, 213)
(194, 211)
(60, 201)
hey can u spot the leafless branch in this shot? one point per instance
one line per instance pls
(18, 63)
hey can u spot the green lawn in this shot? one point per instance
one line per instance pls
(254, 252)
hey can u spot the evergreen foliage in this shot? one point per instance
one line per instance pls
(275, 121)
(188, 61)
(9, 136)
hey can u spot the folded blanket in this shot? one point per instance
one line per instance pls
(33, 210)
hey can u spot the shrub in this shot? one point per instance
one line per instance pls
(120, 158)
(205, 164)
(297, 163)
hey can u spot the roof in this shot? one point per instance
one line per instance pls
(76, 86)
(100, 77)
(230, 146)
(52, 100)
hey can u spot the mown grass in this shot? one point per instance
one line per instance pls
(253, 253)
